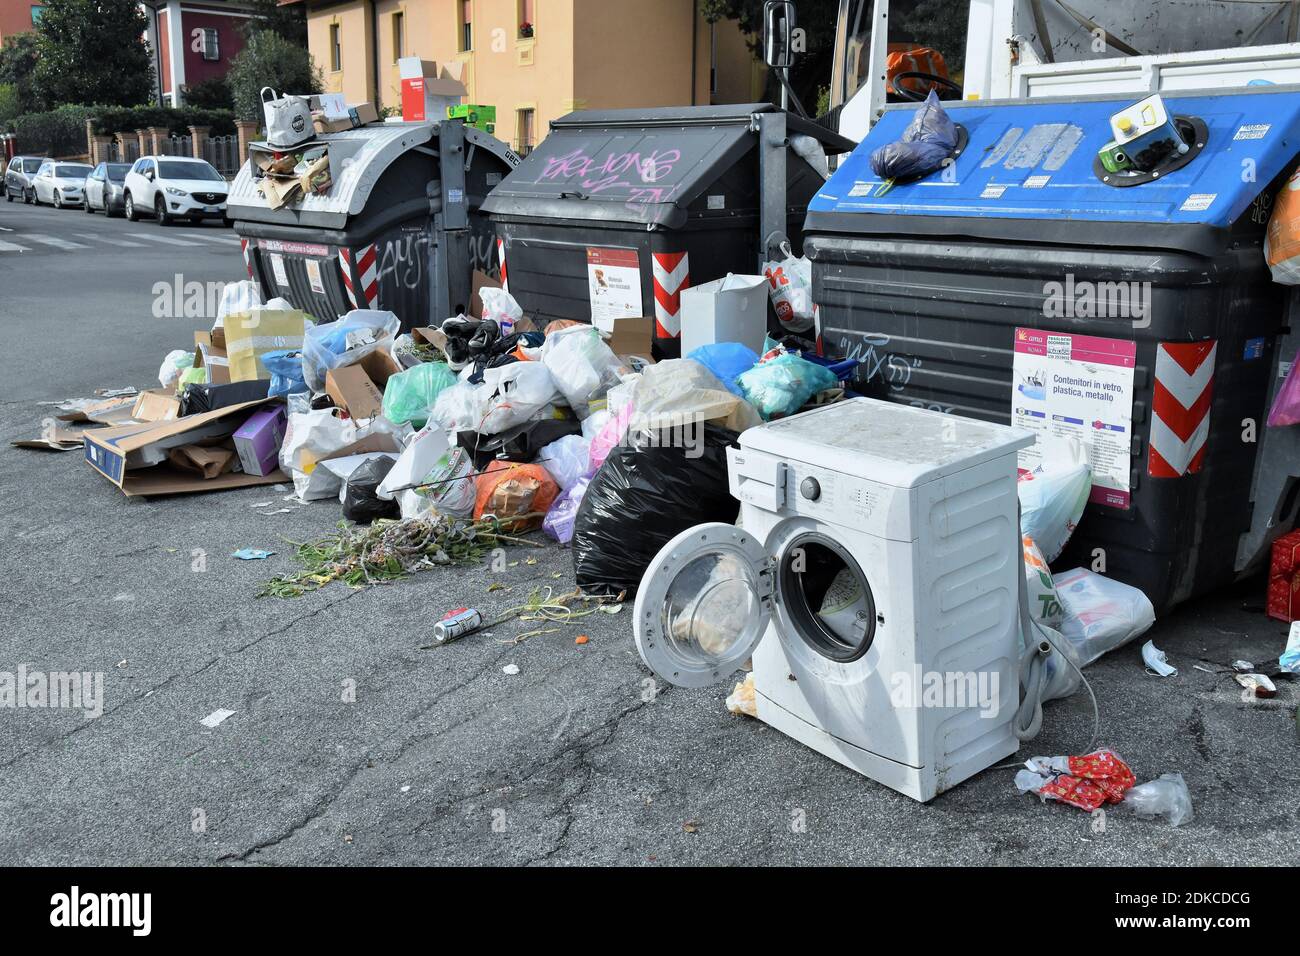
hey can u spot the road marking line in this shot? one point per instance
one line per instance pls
(55, 242)
(224, 240)
(111, 240)
(167, 239)
(12, 247)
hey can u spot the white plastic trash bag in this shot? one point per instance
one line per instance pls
(1054, 494)
(459, 407)
(1044, 602)
(582, 365)
(566, 459)
(677, 393)
(1100, 614)
(175, 362)
(335, 344)
(500, 306)
(310, 438)
(238, 298)
(516, 393)
(789, 286)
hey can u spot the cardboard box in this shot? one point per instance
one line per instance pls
(427, 91)
(480, 281)
(359, 388)
(355, 116)
(210, 353)
(258, 440)
(632, 335)
(135, 457)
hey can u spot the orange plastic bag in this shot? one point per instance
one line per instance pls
(1282, 241)
(508, 489)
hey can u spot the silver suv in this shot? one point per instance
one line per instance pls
(18, 178)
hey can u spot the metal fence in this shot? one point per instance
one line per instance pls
(223, 153)
(177, 146)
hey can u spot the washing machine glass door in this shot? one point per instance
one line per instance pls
(703, 605)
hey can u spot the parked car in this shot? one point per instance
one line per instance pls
(59, 183)
(18, 177)
(106, 188)
(173, 187)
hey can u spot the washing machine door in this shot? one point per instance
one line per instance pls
(703, 604)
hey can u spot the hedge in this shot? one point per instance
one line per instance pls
(116, 119)
(60, 132)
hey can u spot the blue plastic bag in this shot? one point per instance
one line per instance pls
(727, 360)
(286, 372)
(928, 140)
(324, 346)
(783, 385)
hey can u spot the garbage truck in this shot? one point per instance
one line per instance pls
(1026, 282)
(399, 229)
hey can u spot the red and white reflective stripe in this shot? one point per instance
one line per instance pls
(367, 265)
(248, 262)
(672, 274)
(345, 270)
(1180, 405)
(501, 257)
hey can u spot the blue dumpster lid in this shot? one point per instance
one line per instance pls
(1033, 160)
(643, 166)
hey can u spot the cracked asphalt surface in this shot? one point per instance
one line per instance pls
(443, 757)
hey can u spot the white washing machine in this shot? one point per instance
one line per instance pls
(874, 581)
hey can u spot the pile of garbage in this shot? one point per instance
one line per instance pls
(484, 423)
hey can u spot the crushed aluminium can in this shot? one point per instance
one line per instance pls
(456, 624)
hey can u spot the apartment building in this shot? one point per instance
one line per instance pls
(535, 60)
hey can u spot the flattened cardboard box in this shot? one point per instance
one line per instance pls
(107, 450)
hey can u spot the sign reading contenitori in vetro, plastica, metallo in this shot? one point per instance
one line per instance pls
(1081, 387)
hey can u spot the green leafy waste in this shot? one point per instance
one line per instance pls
(386, 551)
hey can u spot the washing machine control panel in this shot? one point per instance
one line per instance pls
(788, 487)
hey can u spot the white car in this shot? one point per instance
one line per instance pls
(174, 187)
(60, 183)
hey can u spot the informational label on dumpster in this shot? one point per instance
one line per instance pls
(614, 283)
(1077, 386)
(314, 276)
(277, 266)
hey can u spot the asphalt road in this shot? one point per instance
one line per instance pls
(443, 757)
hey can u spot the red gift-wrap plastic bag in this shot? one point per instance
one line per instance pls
(1085, 782)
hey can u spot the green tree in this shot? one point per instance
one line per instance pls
(9, 106)
(268, 59)
(93, 51)
(18, 58)
(288, 20)
(210, 94)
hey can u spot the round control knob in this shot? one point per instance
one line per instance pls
(810, 488)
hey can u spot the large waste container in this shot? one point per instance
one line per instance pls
(617, 211)
(399, 229)
(1030, 286)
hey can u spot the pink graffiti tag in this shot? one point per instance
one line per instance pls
(627, 170)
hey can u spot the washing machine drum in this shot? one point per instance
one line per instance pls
(706, 600)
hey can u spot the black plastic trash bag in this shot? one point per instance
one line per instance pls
(929, 139)
(361, 502)
(643, 495)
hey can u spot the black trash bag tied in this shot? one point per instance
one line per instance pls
(929, 140)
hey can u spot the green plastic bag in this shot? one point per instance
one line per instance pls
(780, 386)
(409, 396)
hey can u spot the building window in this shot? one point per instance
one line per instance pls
(527, 19)
(336, 49)
(466, 25)
(713, 58)
(527, 120)
(399, 27)
(211, 44)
